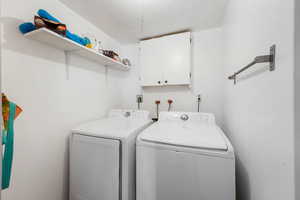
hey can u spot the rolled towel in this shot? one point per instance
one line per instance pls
(27, 27)
(80, 40)
(44, 14)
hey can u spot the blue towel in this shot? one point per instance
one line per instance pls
(83, 41)
(44, 14)
(26, 27)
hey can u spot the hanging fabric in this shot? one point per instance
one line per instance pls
(9, 111)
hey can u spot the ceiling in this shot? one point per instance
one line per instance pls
(130, 20)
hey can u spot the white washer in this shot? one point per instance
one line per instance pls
(102, 156)
(185, 156)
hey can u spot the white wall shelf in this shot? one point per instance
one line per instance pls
(53, 39)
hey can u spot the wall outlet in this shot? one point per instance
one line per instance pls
(199, 97)
(139, 98)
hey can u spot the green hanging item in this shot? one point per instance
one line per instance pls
(8, 140)
(10, 112)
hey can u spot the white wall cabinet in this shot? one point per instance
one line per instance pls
(166, 60)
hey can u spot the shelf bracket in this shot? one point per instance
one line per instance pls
(67, 62)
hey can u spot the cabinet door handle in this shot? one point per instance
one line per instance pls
(158, 82)
(166, 81)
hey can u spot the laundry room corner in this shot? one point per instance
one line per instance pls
(207, 78)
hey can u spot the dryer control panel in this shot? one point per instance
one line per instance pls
(207, 118)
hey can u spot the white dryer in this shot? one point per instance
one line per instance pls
(185, 156)
(102, 156)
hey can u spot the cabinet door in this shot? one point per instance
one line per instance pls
(176, 52)
(151, 66)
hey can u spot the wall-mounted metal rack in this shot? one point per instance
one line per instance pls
(259, 59)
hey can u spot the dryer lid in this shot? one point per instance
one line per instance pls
(190, 135)
(119, 124)
(116, 128)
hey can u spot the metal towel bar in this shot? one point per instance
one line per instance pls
(259, 59)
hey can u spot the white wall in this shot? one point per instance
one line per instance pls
(297, 97)
(208, 79)
(259, 109)
(35, 77)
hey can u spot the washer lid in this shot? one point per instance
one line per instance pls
(183, 134)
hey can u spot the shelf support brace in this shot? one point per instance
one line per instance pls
(67, 62)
